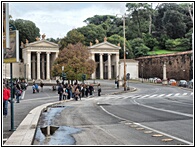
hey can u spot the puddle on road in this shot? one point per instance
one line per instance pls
(62, 136)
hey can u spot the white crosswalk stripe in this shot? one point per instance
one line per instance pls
(177, 94)
(153, 95)
(184, 94)
(169, 95)
(161, 95)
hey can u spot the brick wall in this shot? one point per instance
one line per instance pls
(178, 66)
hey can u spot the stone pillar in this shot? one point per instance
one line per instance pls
(33, 66)
(101, 65)
(117, 65)
(164, 74)
(93, 76)
(43, 66)
(29, 65)
(38, 65)
(48, 66)
(109, 66)
(56, 55)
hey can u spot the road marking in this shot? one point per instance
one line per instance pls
(161, 95)
(177, 94)
(184, 94)
(191, 93)
(169, 95)
(179, 139)
(153, 95)
(170, 111)
(40, 98)
(144, 96)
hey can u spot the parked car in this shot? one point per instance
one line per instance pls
(190, 84)
(158, 80)
(150, 79)
(183, 83)
(172, 81)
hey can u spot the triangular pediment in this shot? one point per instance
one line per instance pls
(104, 45)
(42, 43)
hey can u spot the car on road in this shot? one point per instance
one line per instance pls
(158, 80)
(172, 81)
(190, 84)
(183, 83)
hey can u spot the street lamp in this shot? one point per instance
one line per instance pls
(125, 85)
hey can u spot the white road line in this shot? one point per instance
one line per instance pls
(179, 139)
(40, 98)
(143, 96)
(177, 94)
(184, 94)
(153, 95)
(170, 111)
(161, 95)
(169, 95)
(191, 93)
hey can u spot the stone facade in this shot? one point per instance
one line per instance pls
(178, 66)
(109, 66)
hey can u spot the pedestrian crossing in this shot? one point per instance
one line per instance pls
(143, 96)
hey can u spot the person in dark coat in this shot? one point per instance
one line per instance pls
(60, 91)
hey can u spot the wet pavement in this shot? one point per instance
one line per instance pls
(22, 109)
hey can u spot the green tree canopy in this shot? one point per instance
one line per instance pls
(27, 30)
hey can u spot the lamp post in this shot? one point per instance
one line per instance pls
(125, 85)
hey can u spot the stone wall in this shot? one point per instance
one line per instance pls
(178, 66)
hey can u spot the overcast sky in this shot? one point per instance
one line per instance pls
(55, 19)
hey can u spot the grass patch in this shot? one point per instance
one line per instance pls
(157, 52)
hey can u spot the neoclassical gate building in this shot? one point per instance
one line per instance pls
(106, 56)
(39, 56)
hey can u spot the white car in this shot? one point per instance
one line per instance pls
(171, 81)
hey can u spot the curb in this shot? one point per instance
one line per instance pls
(24, 134)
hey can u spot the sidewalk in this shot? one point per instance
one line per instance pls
(26, 115)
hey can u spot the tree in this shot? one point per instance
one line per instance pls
(139, 48)
(72, 37)
(27, 30)
(92, 32)
(75, 59)
(116, 39)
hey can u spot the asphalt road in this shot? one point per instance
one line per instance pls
(152, 115)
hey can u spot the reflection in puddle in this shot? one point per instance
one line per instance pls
(62, 136)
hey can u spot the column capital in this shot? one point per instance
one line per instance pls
(100, 54)
(38, 52)
(48, 52)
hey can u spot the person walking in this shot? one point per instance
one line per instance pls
(60, 91)
(18, 95)
(6, 96)
(41, 85)
(99, 89)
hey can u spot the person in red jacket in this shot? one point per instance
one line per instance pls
(6, 96)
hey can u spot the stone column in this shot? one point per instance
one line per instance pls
(164, 74)
(29, 65)
(101, 65)
(33, 66)
(48, 66)
(93, 76)
(38, 65)
(109, 66)
(117, 65)
(43, 66)
(56, 55)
